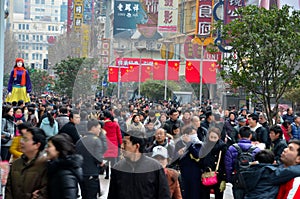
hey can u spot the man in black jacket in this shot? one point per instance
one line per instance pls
(137, 176)
(91, 149)
(70, 127)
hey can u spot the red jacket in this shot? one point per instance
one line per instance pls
(290, 190)
(114, 138)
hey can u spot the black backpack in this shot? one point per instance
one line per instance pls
(241, 164)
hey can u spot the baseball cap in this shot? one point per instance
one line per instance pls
(160, 151)
(241, 119)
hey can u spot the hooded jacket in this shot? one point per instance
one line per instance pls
(50, 131)
(64, 174)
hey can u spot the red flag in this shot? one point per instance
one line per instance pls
(209, 72)
(192, 74)
(173, 66)
(159, 69)
(192, 71)
(146, 72)
(130, 73)
(113, 73)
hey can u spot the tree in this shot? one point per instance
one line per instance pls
(154, 89)
(39, 80)
(76, 77)
(265, 53)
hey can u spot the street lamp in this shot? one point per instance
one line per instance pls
(167, 54)
(120, 53)
(196, 40)
(140, 49)
(101, 67)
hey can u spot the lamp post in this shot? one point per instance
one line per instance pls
(101, 67)
(167, 55)
(201, 70)
(120, 53)
(140, 49)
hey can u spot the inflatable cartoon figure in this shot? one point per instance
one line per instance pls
(19, 85)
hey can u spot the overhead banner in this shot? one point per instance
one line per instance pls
(167, 16)
(127, 14)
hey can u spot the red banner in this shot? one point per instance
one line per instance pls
(173, 70)
(159, 69)
(113, 73)
(146, 73)
(130, 73)
(192, 71)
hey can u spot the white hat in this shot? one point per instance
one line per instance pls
(161, 151)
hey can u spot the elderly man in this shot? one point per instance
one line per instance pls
(162, 140)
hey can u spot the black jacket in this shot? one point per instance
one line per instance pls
(91, 148)
(142, 179)
(212, 158)
(64, 176)
(71, 130)
(277, 147)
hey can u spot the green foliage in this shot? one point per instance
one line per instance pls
(265, 52)
(155, 89)
(39, 80)
(75, 77)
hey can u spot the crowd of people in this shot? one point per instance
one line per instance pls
(146, 149)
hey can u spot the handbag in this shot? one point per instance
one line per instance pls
(5, 139)
(210, 178)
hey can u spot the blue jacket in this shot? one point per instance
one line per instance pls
(231, 156)
(263, 180)
(50, 131)
(295, 131)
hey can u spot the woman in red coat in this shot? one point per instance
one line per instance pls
(114, 140)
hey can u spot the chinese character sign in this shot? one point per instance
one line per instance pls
(127, 14)
(168, 15)
(78, 14)
(205, 18)
(230, 7)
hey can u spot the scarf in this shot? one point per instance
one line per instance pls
(23, 80)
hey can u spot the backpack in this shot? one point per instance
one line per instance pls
(242, 163)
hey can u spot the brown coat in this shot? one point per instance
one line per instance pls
(25, 178)
(172, 176)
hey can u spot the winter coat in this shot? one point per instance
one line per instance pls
(15, 148)
(113, 138)
(64, 176)
(50, 131)
(25, 178)
(231, 156)
(62, 120)
(290, 190)
(172, 177)
(211, 160)
(295, 131)
(82, 127)
(168, 126)
(166, 144)
(71, 130)
(136, 127)
(261, 135)
(90, 148)
(144, 178)
(263, 180)
(8, 129)
(277, 147)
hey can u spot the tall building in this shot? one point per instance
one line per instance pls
(36, 24)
